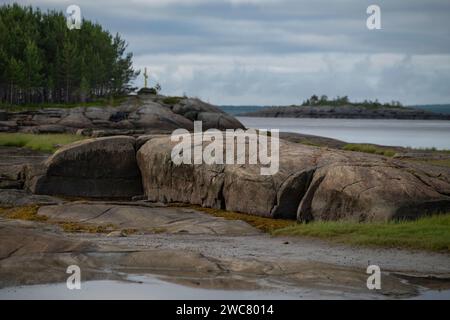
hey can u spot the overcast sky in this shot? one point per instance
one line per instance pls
(272, 52)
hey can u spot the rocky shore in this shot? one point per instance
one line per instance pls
(346, 112)
(118, 238)
(313, 183)
(117, 206)
(137, 115)
(126, 237)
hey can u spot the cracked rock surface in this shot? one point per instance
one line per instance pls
(39, 253)
(312, 183)
(145, 218)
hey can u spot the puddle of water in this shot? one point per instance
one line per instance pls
(434, 295)
(151, 288)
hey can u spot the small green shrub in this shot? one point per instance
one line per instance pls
(369, 148)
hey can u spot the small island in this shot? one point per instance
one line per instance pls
(343, 108)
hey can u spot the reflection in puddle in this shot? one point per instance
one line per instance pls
(152, 288)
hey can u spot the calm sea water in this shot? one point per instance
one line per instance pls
(405, 133)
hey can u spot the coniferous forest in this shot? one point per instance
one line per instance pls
(42, 61)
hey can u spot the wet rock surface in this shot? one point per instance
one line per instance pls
(246, 262)
(193, 249)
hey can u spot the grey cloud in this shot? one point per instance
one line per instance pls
(248, 51)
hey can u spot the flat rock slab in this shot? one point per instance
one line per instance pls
(146, 218)
(16, 198)
(33, 253)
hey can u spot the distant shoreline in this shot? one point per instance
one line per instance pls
(343, 112)
(417, 112)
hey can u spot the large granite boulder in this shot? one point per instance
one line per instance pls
(312, 184)
(98, 168)
(211, 116)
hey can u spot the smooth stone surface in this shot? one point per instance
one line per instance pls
(146, 218)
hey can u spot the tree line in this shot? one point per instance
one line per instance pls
(42, 61)
(323, 100)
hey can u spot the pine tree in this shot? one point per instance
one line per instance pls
(42, 61)
(32, 69)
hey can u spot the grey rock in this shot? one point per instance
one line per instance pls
(10, 184)
(16, 198)
(117, 234)
(99, 113)
(312, 184)
(46, 118)
(141, 140)
(114, 132)
(146, 218)
(76, 119)
(8, 126)
(312, 140)
(103, 167)
(212, 117)
(143, 113)
(48, 128)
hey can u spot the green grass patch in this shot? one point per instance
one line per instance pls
(307, 142)
(172, 100)
(39, 142)
(433, 149)
(440, 162)
(428, 233)
(104, 102)
(369, 148)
